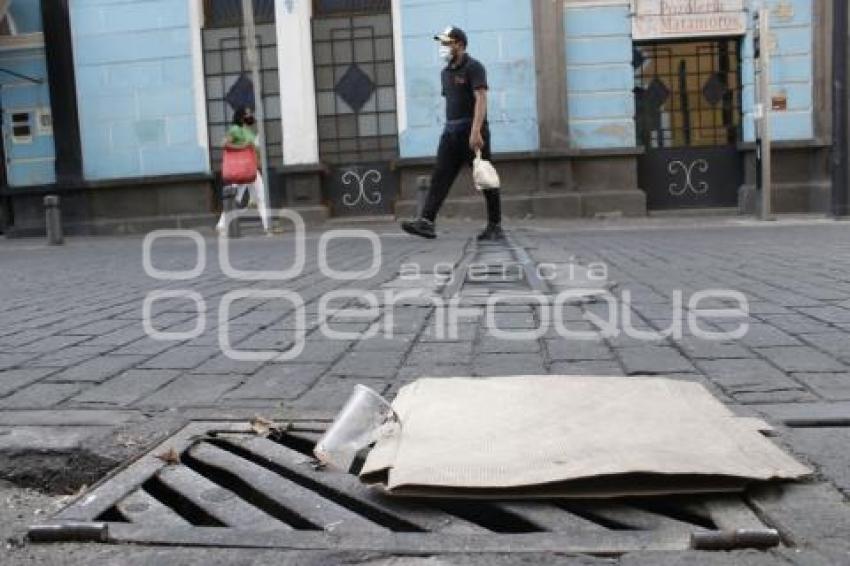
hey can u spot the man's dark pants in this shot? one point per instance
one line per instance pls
(454, 153)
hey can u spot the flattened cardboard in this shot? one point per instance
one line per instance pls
(570, 436)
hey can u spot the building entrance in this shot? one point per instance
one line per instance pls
(688, 119)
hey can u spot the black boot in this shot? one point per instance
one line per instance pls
(420, 227)
(492, 233)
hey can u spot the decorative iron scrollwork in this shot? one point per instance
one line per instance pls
(699, 189)
(353, 199)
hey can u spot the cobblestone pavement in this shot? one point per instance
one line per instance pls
(75, 359)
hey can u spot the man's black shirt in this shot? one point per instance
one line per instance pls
(459, 85)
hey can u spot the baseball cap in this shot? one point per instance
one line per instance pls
(452, 33)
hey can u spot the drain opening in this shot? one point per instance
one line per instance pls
(179, 503)
(486, 515)
(246, 485)
(389, 521)
(229, 480)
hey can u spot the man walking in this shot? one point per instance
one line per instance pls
(465, 89)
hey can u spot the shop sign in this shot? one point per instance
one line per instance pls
(671, 19)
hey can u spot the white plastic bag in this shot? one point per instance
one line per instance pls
(484, 174)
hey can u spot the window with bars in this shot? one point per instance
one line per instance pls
(228, 13)
(688, 93)
(225, 60)
(355, 88)
(327, 7)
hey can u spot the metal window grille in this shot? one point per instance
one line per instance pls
(224, 62)
(326, 7)
(228, 13)
(355, 88)
(688, 93)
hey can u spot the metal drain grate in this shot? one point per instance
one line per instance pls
(235, 488)
(488, 268)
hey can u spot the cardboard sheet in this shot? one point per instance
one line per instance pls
(571, 436)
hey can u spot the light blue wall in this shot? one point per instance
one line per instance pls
(791, 72)
(135, 88)
(501, 37)
(31, 163)
(600, 78)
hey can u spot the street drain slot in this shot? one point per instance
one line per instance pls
(234, 488)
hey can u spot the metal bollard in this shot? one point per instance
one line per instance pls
(53, 220)
(423, 185)
(229, 205)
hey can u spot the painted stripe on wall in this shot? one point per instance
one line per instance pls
(297, 88)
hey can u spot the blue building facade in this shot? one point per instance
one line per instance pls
(595, 106)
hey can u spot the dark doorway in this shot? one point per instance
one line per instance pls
(688, 119)
(356, 104)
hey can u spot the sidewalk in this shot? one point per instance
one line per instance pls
(83, 387)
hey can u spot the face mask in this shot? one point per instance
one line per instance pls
(446, 53)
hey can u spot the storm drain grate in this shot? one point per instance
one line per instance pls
(234, 488)
(489, 268)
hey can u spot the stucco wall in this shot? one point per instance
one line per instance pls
(135, 88)
(791, 71)
(600, 77)
(501, 37)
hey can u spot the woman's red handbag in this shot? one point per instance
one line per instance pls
(239, 165)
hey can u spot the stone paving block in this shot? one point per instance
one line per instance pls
(653, 359)
(98, 328)
(40, 395)
(835, 343)
(119, 337)
(143, 347)
(11, 360)
(181, 358)
(828, 448)
(492, 345)
(96, 369)
(366, 364)
(790, 395)
(453, 353)
(278, 381)
(801, 359)
(50, 344)
(832, 314)
(711, 349)
(569, 328)
(830, 386)
(747, 376)
(224, 365)
(762, 335)
(235, 334)
(191, 390)
(410, 372)
(796, 324)
(331, 392)
(320, 349)
(465, 332)
(512, 321)
(380, 343)
(764, 307)
(12, 379)
(574, 350)
(23, 337)
(598, 367)
(68, 357)
(486, 365)
(127, 387)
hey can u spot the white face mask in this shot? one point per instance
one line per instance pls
(446, 53)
